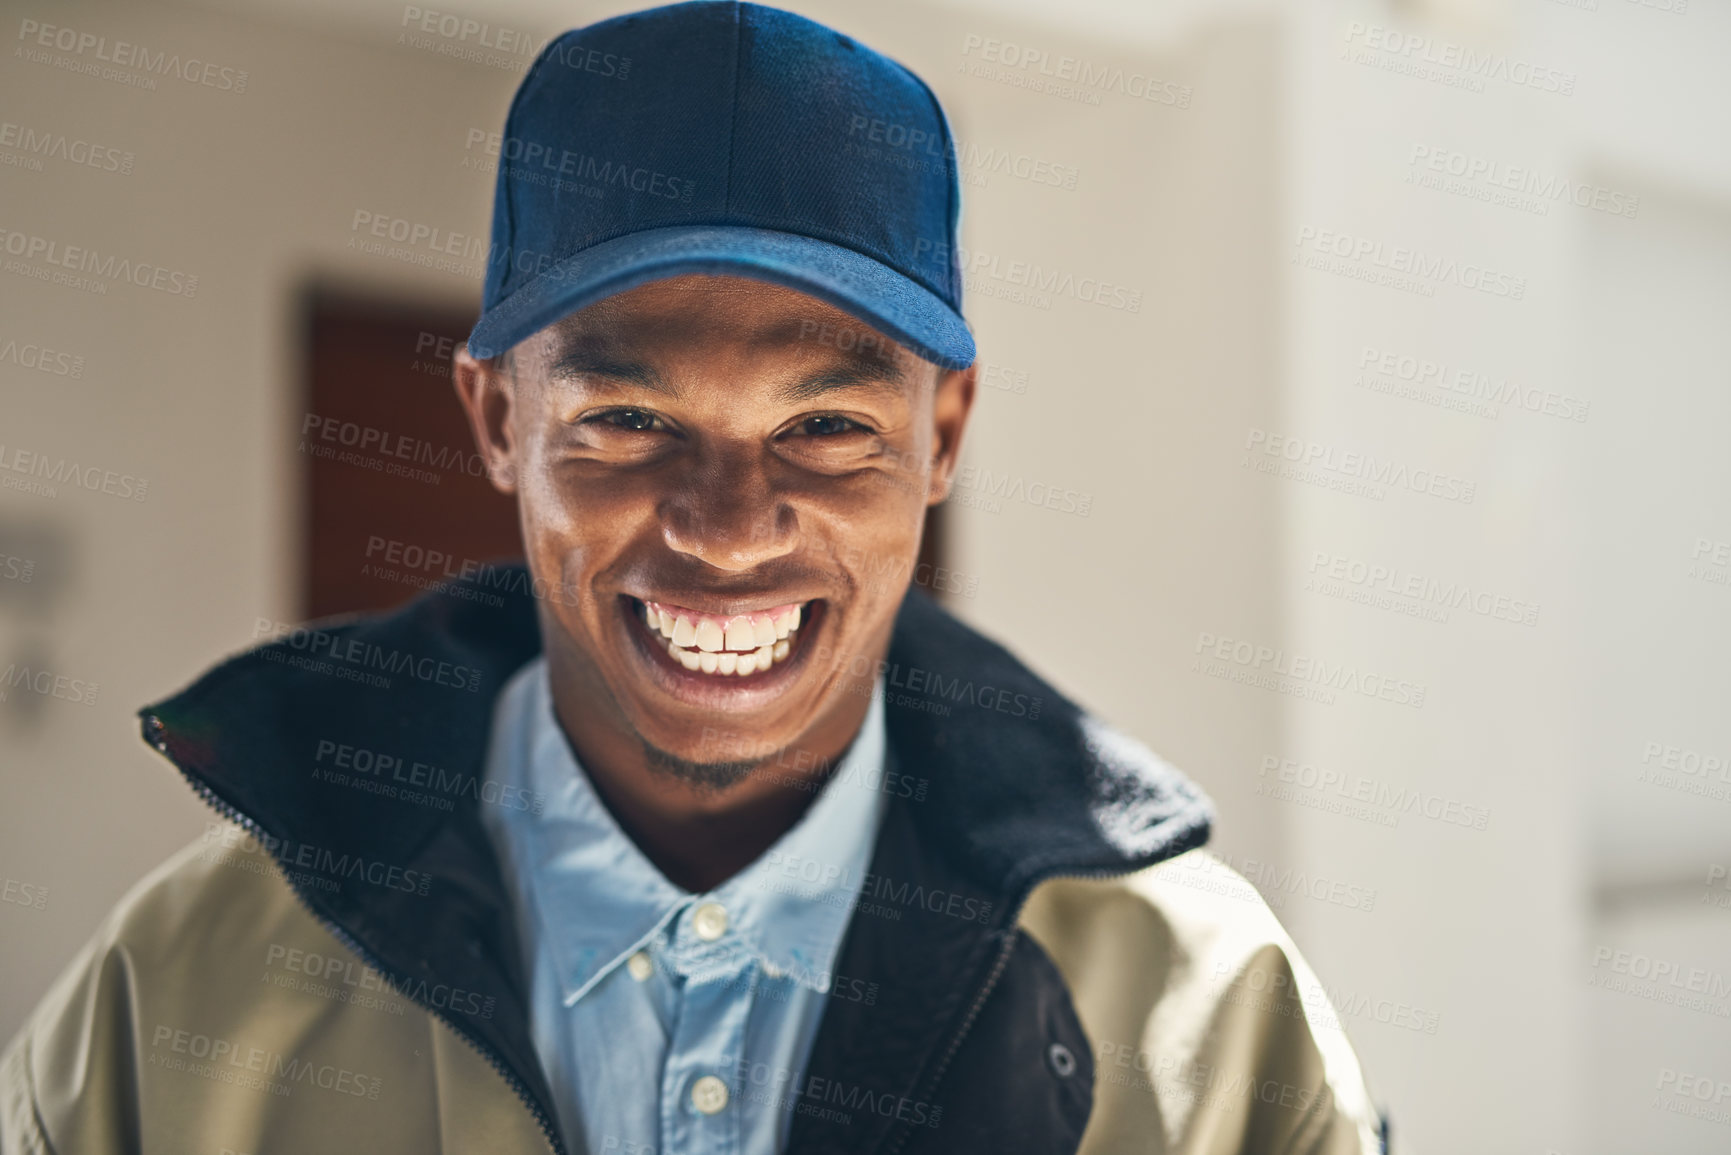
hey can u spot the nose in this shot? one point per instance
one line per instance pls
(728, 514)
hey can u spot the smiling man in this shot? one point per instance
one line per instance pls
(702, 832)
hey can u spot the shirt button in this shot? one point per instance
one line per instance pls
(709, 921)
(709, 1094)
(640, 966)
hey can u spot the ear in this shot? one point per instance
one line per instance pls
(952, 402)
(487, 391)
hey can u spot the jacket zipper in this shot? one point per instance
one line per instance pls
(933, 1080)
(480, 1046)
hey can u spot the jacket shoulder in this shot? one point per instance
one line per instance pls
(1208, 1026)
(207, 993)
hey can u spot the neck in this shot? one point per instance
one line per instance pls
(698, 834)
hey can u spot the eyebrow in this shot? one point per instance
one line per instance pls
(867, 372)
(584, 360)
(862, 369)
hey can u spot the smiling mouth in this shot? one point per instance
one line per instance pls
(726, 647)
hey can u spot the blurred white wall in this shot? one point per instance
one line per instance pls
(1291, 157)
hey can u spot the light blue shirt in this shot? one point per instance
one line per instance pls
(672, 1023)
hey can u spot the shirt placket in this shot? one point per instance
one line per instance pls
(701, 1088)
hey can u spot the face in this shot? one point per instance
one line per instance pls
(722, 483)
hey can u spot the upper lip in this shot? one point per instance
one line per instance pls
(724, 607)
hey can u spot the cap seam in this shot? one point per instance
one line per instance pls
(953, 180)
(733, 110)
(501, 181)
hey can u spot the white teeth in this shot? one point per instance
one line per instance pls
(738, 646)
(740, 635)
(763, 630)
(684, 632)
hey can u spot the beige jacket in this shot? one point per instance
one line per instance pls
(212, 1014)
(335, 971)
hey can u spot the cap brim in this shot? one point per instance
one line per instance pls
(851, 281)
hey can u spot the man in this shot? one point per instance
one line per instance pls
(699, 834)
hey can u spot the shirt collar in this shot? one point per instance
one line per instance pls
(591, 897)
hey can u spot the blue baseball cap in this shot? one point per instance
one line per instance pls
(720, 137)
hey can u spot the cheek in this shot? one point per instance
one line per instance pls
(876, 543)
(571, 530)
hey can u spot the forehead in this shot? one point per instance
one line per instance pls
(717, 316)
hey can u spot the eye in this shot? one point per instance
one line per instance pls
(635, 420)
(828, 425)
